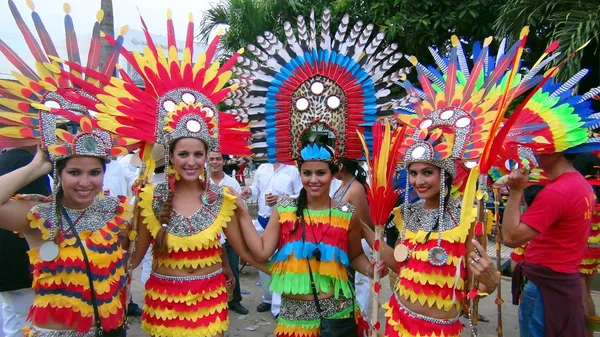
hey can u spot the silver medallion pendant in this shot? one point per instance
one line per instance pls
(438, 256)
(48, 251)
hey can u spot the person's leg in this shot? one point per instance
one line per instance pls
(15, 307)
(234, 262)
(275, 304)
(267, 294)
(531, 312)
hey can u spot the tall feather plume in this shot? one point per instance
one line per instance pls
(17, 61)
(94, 51)
(340, 35)
(438, 60)
(291, 38)
(41, 30)
(170, 30)
(362, 42)
(31, 42)
(325, 26)
(352, 37)
(71, 37)
(189, 38)
(378, 57)
(374, 44)
(313, 31)
(590, 94)
(462, 60)
(302, 31)
(570, 83)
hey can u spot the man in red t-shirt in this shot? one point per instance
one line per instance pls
(557, 226)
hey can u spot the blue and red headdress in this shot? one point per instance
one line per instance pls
(316, 82)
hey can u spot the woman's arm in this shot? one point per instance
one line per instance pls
(142, 244)
(14, 212)
(387, 252)
(358, 260)
(358, 199)
(261, 247)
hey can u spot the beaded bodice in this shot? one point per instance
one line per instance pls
(420, 281)
(193, 242)
(62, 285)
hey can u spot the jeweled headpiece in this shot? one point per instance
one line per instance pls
(179, 97)
(316, 82)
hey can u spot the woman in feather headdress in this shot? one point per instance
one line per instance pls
(314, 84)
(185, 216)
(75, 237)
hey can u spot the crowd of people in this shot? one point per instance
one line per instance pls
(147, 180)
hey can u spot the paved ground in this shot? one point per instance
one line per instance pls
(262, 324)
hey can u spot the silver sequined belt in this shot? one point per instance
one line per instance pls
(187, 278)
(293, 309)
(41, 332)
(440, 321)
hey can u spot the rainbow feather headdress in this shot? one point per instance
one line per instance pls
(316, 82)
(460, 104)
(179, 98)
(29, 105)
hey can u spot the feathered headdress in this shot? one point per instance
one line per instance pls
(315, 82)
(461, 104)
(25, 102)
(179, 97)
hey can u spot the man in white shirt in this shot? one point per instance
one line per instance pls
(271, 182)
(216, 160)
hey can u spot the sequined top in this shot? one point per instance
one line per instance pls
(62, 285)
(193, 242)
(326, 230)
(442, 287)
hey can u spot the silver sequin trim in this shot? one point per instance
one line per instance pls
(418, 217)
(95, 217)
(293, 309)
(198, 222)
(37, 332)
(187, 278)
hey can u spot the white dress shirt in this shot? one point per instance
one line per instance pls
(229, 182)
(284, 181)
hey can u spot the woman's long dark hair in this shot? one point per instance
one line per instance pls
(353, 167)
(302, 200)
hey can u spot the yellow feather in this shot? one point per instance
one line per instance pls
(223, 78)
(200, 63)
(211, 73)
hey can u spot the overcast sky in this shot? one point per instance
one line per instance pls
(83, 13)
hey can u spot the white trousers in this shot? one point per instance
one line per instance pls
(363, 284)
(146, 267)
(15, 307)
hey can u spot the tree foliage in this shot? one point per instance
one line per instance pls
(570, 22)
(414, 25)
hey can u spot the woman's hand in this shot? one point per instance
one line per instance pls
(229, 278)
(483, 269)
(41, 162)
(380, 268)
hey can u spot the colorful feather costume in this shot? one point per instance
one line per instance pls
(315, 84)
(29, 108)
(462, 117)
(179, 100)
